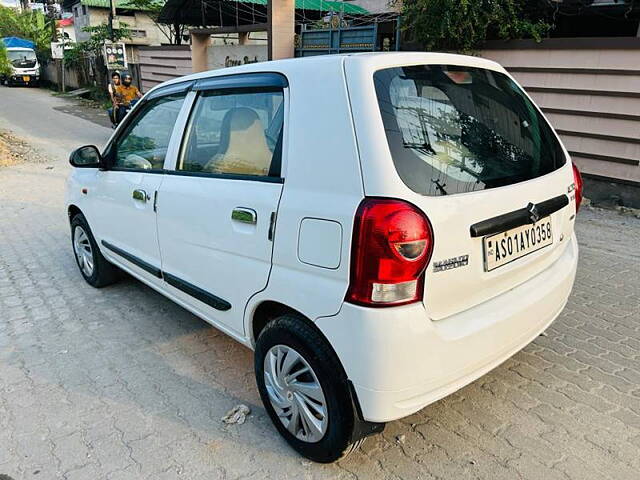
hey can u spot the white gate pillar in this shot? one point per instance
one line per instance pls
(199, 47)
(281, 19)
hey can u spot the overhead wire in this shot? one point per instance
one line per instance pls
(245, 12)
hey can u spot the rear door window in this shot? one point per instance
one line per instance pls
(456, 129)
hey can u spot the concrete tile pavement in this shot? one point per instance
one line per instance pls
(120, 383)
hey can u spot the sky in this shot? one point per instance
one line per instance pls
(9, 3)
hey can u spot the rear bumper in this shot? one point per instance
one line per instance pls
(401, 361)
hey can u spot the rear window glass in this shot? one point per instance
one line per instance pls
(458, 129)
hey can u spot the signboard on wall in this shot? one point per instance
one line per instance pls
(222, 56)
(56, 50)
(115, 56)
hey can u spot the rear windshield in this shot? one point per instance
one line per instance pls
(459, 129)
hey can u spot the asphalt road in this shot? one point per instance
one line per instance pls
(120, 383)
(52, 124)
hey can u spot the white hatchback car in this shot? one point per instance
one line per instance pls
(382, 229)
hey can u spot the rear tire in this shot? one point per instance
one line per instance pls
(95, 269)
(285, 347)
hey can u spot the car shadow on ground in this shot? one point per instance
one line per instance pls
(91, 113)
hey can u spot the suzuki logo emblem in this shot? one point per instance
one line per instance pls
(534, 216)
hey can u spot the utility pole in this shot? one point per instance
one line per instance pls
(63, 72)
(112, 16)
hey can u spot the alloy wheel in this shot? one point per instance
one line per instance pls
(84, 252)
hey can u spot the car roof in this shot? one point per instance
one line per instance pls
(367, 60)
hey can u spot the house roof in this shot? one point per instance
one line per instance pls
(320, 5)
(124, 4)
(16, 42)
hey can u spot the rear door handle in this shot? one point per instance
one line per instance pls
(244, 215)
(140, 195)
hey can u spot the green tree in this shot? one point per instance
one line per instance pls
(79, 52)
(464, 25)
(5, 65)
(31, 25)
(101, 34)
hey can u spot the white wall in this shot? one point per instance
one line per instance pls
(221, 56)
(52, 73)
(253, 38)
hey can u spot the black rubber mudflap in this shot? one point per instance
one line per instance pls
(361, 428)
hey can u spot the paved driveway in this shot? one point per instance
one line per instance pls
(120, 383)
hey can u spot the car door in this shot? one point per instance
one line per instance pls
(217, 206)
(125, 192)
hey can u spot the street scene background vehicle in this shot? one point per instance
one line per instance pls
(25, 68)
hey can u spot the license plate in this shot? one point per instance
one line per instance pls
(505, 247)
(26, 78)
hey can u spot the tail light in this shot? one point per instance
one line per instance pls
(392, 245)
(577, 180)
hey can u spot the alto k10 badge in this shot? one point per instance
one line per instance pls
(449, 263)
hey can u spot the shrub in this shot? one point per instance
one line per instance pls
(464, 25)
(5, 65)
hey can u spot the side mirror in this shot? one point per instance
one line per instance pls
(86, 157)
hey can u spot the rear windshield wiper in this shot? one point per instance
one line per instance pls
(439, 186)
(424, 148)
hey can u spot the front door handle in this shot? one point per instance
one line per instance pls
(244, 215)
(140, 195)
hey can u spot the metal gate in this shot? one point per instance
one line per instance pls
(365, 38)
(159, 64)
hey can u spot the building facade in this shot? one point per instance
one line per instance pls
(377, 6)
(144, 31)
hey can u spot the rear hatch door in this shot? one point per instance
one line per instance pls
(465, 144)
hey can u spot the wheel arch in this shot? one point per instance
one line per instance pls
(72, 211)
(268, 310)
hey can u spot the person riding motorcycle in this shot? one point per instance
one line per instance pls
(115, 81)
(128, 95)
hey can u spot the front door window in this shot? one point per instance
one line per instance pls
(144, 143)
(234, 134)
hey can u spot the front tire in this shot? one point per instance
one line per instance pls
(95, 269)
(305, 390)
